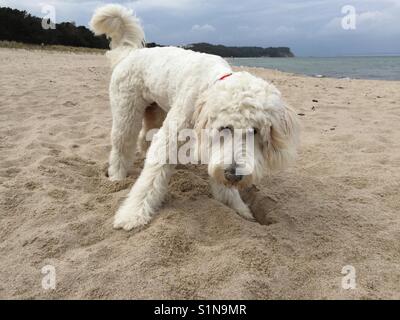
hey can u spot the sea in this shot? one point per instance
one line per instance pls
(378, 68)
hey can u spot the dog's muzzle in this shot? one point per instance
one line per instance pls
(231, 176)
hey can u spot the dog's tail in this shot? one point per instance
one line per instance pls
(119, 24)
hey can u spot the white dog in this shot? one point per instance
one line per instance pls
(197, 91)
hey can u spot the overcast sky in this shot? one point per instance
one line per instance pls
(308, 27)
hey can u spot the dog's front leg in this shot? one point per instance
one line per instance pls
(231, 198)
(147, 194)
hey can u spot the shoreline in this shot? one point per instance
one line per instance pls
(301, 75)
(314, 76)
(357, 68)
(81, 50)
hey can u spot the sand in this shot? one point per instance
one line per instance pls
(338, 205)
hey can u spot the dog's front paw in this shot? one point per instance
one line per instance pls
(246, 213)
(129, 217)
(115, 174)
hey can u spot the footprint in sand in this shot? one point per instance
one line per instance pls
(69, 103)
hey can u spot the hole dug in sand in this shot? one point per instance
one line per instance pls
(260, 204)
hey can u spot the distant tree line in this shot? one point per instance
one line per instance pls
(20, 26)
(241, 52)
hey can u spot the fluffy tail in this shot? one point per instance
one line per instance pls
(119, 24)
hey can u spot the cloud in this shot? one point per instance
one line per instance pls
(284, 30)
(145, 5)
(204, 27)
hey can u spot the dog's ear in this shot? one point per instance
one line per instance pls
(200, 118)
(281, 140)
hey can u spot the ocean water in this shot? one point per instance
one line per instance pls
(380, 68)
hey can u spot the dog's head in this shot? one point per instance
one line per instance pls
(249, 129)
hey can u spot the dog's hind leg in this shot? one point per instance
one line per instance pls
(231, 198)
(127, 113)
(153, 118)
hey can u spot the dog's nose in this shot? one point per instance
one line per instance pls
(230, 175)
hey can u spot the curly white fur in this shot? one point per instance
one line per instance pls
(185, 85)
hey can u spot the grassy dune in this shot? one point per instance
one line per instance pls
(58, 48)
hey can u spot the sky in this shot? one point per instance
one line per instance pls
(308, 27)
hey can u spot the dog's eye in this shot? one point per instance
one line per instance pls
(229, 128)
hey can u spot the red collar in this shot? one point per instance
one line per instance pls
(225, 76)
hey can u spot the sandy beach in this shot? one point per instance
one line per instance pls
(339, 205)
